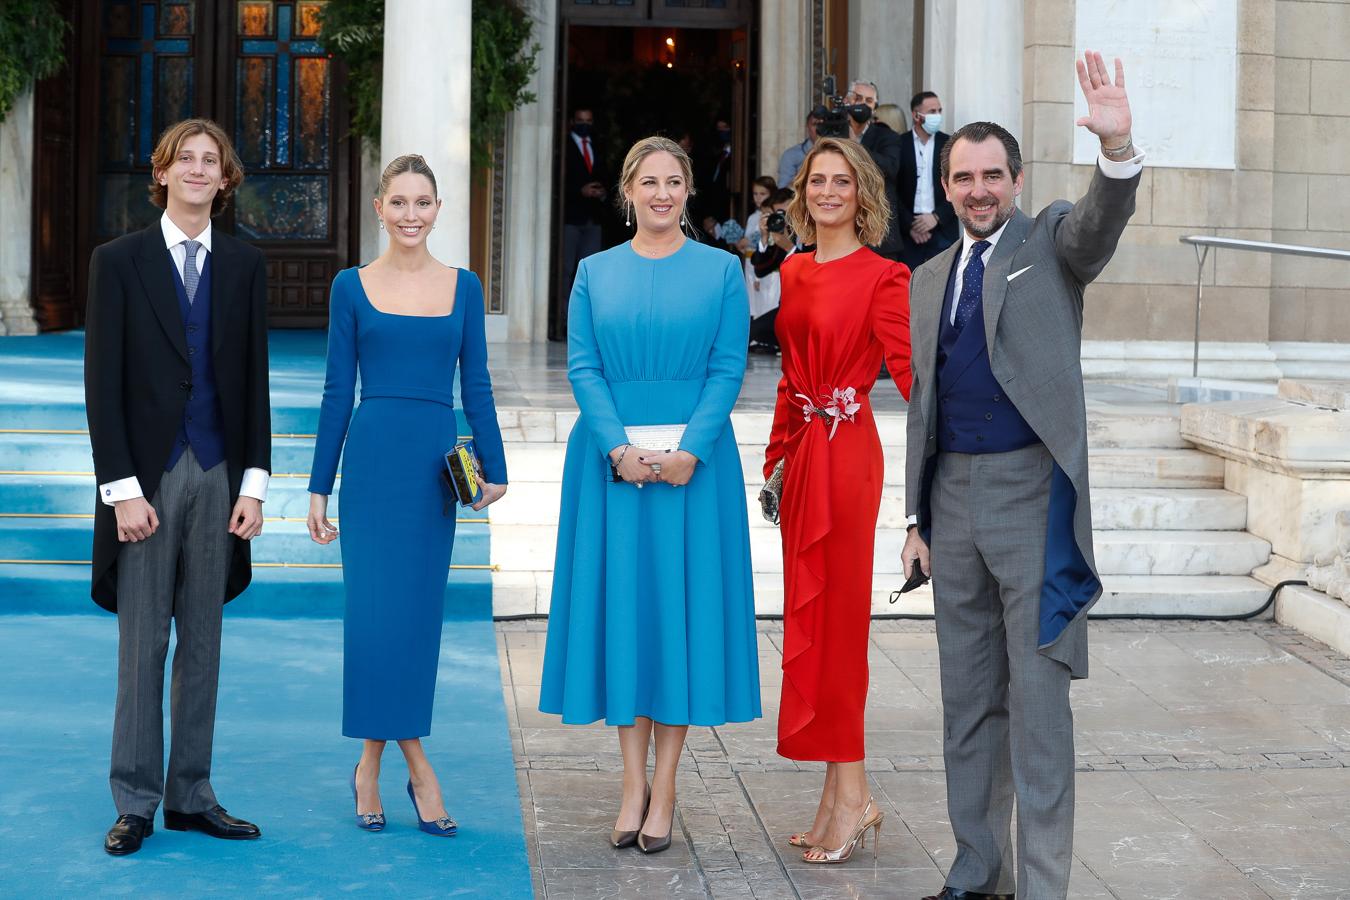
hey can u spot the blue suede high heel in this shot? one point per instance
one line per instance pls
(442, 827)
(367, 821)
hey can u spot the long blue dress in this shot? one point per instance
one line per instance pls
(397, 526)
(653, 608)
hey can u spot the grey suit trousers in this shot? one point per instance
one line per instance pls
(1006, 716)
(177, 574)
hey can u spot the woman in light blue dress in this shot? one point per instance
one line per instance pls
(652, 626)
(405, 323)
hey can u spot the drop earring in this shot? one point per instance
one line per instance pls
(628, 214)
(382, 224)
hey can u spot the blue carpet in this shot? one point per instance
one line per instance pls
(279, 761)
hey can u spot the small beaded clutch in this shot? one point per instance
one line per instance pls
(771, 495)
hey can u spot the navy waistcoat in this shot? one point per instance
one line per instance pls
(202, 427)
(973, 413)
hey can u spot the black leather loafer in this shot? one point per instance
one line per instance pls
(214, 821)
(950, 893)
(126, 834)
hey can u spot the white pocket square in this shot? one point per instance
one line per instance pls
(1020, 271)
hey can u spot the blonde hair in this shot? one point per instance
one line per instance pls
(633, 161)
(408, 162)
(889, 115)
(166, 151)
(874, 210)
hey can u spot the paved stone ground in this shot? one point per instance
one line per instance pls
(1213, 759)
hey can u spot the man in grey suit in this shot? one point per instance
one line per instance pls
(996, 482)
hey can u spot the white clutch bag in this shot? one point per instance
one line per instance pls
(655, 437)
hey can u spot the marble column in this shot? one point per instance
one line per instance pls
(786, 87)
(973, 60)
(426, 106)
(881, 49)
(16, 221)
(530, 188)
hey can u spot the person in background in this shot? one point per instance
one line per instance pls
(776, 244)
(927, 222)
(883, 145)
(714, 198)
(584, 178)
(792, 157)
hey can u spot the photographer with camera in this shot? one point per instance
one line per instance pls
(776, 244)
(885, 148)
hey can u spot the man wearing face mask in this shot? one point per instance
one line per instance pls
(584, 180)
(927, 222)
(884, 146)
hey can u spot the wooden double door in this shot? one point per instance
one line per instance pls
(137, 66)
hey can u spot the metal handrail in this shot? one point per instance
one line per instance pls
(1202, 243)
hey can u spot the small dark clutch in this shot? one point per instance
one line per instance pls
(771, 495)
(464, 473)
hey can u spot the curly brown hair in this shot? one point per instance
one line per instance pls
(171, 141)
(874, 210)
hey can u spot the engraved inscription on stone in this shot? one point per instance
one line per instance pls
(1181, 73)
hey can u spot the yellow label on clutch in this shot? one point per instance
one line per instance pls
(469, 474)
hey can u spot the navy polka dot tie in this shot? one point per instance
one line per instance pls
(972, 285)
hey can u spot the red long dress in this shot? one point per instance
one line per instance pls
(836, 320)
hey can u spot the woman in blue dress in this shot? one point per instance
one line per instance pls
(403, 322)
(652, 626)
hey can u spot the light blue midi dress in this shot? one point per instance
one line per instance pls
(397, 518)
(652, 609)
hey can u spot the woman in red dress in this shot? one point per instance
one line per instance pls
(843, 308)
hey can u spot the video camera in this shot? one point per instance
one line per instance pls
(833, 113)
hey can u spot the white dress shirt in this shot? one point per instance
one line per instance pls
(924, 201)
(255, 481)
(1111, 169)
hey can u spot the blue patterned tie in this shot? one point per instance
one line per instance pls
(972, 284)
(190, 274)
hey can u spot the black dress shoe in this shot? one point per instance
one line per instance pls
(951, 893)
(127, 833)
(214, 821)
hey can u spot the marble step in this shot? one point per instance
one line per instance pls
(275, 592)
(281, 542)
(1149, 467)
(1179, 595)
(1168, 509)
(529, 593)
(1179, 552)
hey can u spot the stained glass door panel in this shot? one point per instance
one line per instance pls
(148, 77)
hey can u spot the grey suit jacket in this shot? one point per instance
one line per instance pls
(1034, 327)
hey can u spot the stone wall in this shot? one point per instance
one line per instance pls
(1293, 169)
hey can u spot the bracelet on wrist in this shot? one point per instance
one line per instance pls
(621, 455)
(1122, 150)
